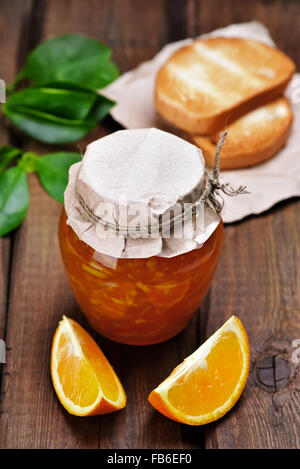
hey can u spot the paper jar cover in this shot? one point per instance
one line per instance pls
(137, 177)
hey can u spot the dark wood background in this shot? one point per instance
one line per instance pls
(258, 278)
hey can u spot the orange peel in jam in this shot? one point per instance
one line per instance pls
(138, 301)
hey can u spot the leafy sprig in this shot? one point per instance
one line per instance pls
(52, 171)
(62, 104)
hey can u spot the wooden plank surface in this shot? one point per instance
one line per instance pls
(9, 56)
(257, 279)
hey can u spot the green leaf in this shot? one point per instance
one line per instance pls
(71, 58)
(7, 154)
(56, 116)
(14, 199)
(27, 161)
(46, 127)
(101, 108)
(53, 170)
(66, 103)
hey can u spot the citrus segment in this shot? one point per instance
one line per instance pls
(84, 380)
(209, 382)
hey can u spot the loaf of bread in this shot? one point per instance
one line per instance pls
(252, 139)
(207, 85)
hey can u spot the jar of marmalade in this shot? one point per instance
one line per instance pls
(137, 260)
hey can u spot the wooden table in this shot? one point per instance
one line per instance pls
(258, 277)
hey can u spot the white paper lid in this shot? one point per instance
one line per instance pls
(137, 176)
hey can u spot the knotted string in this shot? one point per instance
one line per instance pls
(210, 197)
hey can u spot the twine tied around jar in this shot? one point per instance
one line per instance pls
(210, 196)
(212, 183)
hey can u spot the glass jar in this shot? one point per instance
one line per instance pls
(138, 301)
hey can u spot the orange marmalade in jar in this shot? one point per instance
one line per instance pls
(138, 261)
(138, 301)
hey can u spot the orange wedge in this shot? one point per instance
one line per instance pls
(84, 380)
(208, 383)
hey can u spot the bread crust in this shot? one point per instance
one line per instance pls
(203, 116)
(250, 144)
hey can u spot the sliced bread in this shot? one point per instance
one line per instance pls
(212, 82)
(252, 139)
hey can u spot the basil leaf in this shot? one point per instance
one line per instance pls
(7, 154)
(46, 127)
(72, 58)
(66, 103)
(53, 172)
(14, 199)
